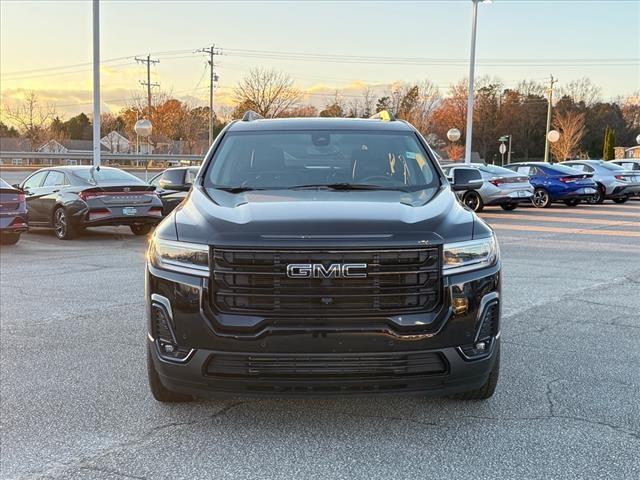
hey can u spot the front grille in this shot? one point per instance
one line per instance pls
(325, 366)
(256, 282)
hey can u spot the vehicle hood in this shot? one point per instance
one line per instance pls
(321, 218)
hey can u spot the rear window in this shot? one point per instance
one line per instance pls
(562, 169)
(106, 175)
(494, 170)
(611, 166)
(282, 160)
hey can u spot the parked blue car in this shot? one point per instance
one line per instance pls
(13, 214)
(553, 182)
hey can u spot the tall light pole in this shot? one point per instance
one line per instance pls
(96, 84)
(472, 66)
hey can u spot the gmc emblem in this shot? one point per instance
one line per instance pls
(335, 270)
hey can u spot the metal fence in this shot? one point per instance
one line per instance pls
(21, 159)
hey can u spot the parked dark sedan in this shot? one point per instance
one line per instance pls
(71, 198)
(172, 186)
(13, 214)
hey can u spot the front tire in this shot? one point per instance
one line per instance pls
(487, 390)
(140, 230)
(158, 390)
(62, 225)
(509, 206)
(620, 199)
(9, 238)
(574, 202)
(541, 198)
(473, 201)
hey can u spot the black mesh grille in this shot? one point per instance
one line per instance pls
(490, 324)
(160, 325)
(325, 366)
(256, 281)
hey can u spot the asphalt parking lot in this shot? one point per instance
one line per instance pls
(75, 404)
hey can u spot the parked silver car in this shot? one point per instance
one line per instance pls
(614, 182)
(500, 186)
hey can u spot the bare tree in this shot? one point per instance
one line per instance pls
(32, 118)
(571, 127)
(582, 91)
(267, 91)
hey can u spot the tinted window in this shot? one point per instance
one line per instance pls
(54, 178)
(34, 180)
(495, 170)
(155, 181)
(524, 169)
(92, 175)
(611, 166)
(630, 165)
(277, 159)
(562, 169)
(466, 175)
(578, 166)
(190, 175)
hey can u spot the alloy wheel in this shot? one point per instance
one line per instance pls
(540, 198)
(60, 223)
(472, 201)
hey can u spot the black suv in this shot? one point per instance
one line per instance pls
(322, 256)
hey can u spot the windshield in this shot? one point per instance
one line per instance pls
(283, 160)
(4, 184)
(105, 175)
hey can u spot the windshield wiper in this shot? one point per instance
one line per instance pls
(346, 186)
(238, 189)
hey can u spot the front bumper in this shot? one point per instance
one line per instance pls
(315, 358)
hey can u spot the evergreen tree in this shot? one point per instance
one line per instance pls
(609, 144)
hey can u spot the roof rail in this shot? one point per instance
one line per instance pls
(383, 115)
(250, 116)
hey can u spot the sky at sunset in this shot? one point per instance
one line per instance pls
(46, 45)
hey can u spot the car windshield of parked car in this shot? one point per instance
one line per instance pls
(106, 175)
(284, 160)
(563, 169)
(4, 184)
(495, 170)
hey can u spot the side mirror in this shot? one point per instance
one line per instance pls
(176, 187)
(466, 179)
(462, 187)
(17, 186)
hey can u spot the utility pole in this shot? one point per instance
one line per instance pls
(96, 84)
(213, 79)
(148, 83)
(546, 140)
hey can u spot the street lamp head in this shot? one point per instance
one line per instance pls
(638, 139)
(553, 136)
(143, 128)
(453, 134)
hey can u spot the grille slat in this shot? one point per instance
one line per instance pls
(292, 366)
(255, 281)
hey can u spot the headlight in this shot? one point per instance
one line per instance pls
(181, 257)
(472, 255)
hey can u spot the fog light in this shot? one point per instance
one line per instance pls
(481, 346)
(168, 348)
(460, 305)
